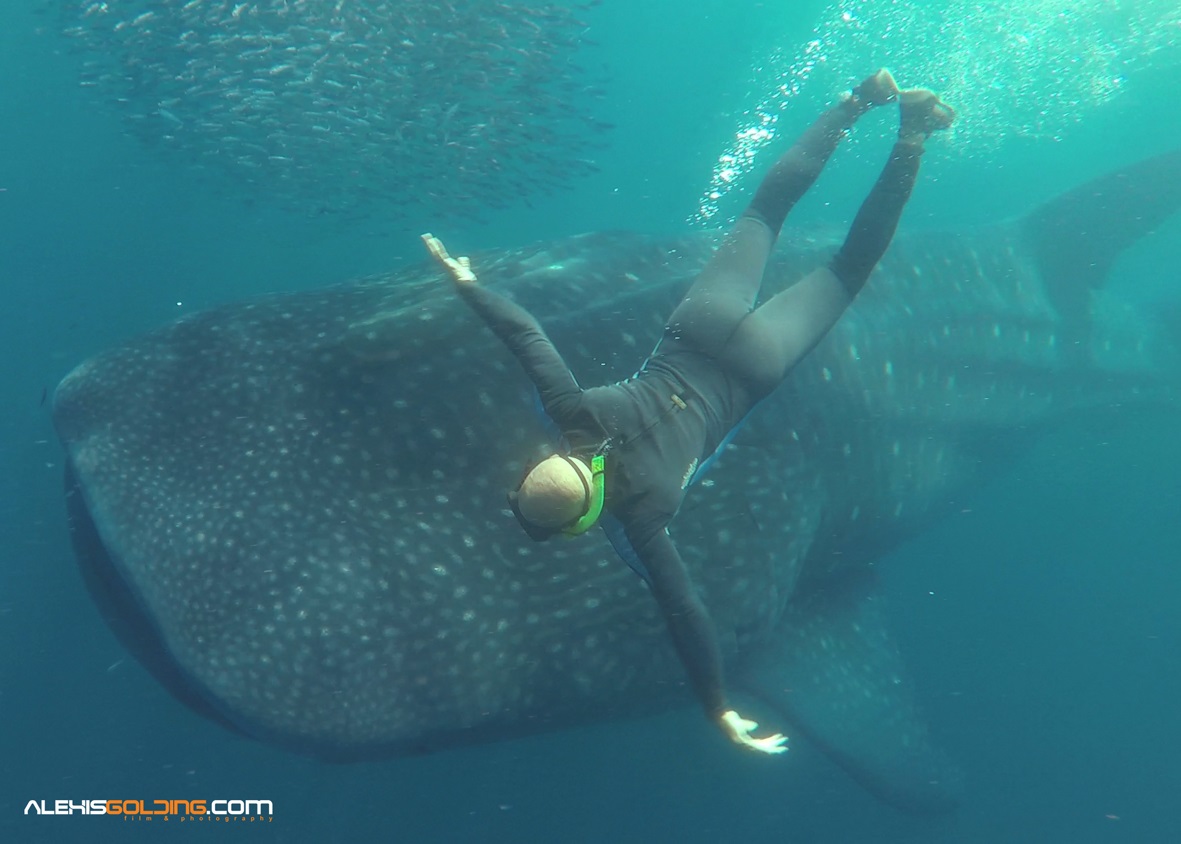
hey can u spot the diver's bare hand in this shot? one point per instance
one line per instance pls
(460, 268)
(739, 731)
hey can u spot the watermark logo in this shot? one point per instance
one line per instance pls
(210, 811)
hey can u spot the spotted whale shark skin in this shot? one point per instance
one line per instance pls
(292, 509)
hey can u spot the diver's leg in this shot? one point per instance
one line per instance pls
(725, 291)
(798, 168)
(772, 339)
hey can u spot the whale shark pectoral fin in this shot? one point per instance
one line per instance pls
(1076, 236)
(836, 676)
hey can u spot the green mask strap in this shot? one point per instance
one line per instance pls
(596, 499)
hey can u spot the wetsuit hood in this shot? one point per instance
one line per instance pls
(589, 512)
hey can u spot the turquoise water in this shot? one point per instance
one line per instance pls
(1040, 627)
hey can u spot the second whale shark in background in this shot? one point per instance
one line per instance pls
(291, 510)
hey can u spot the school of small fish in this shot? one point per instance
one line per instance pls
(456, 106)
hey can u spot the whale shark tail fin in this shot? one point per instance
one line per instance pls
(836, 676)
(1077, 236)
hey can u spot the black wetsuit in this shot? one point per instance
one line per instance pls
(717, 359)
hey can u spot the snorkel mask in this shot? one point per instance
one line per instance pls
(592, 509)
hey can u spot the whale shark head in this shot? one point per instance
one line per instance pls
(305, 495)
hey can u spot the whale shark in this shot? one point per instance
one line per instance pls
(291, 510)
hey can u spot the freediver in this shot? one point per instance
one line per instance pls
(632, 449)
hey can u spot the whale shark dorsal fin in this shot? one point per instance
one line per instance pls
(1076, 236)
(837, 678)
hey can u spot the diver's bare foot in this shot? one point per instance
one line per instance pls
(876, 90)
(922, 113)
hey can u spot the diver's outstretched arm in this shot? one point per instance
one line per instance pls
(695, 640)
(460, 268)
(519, 331)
